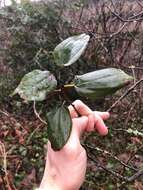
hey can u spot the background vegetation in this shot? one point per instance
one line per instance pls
(28, 34)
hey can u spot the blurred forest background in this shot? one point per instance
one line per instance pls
(28, 33)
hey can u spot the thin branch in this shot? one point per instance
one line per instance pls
(132, 178)
(125, 94)
(130, 19)
(4, 154)
(138, 174)
(31, 135)
(37, 114)
(139, 3)
(135, 176)
(115, 174)
(117, 32)
(134, 153)
(3, 112)
(111, 155)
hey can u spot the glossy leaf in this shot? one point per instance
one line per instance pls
(59, 127)
(35, 85)
(69, 51)
(100, 83)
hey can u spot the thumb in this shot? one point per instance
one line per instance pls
(79, 125)
(73, 145)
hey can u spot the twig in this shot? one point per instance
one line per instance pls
(138, 174)
(134, 76)
(31, 135)
(111, 155)
(132, 178)
(128, 44)
(4, 154)
(37, 114)
(139, 3)
(125, 94)
(115, 174)
(134, 153)
(3, 112)
(117, 32)
(130, 19)
(135, 176)
(130, 67)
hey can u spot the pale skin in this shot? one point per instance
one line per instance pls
(65, 169)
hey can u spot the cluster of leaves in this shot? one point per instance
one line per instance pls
(37, 85)
(124, 50)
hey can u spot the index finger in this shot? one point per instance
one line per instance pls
(81, 108)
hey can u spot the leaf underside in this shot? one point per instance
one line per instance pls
(69, 51)
(35, 85)
(98, 84)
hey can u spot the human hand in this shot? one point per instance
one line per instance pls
(65, 169)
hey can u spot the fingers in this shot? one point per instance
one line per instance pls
(95, 122)
(103, 115)
(95, 119)
(72, 111)
(81, 108)
(85, 110)
(100, 125)
(91, 123)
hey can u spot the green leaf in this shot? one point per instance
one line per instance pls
(100, 83)
(69, 51)
(59, 127)
(35, 85)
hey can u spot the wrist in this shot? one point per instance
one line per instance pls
(48, 187)
(49, 184)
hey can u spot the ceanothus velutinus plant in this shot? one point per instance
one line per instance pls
(37, 85)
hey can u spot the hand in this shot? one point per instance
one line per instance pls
(65, 169)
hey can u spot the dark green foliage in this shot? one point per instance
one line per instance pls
(59, 125)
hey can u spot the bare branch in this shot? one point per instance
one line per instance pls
(130, 19)
(37, 114)
(111, 155)
(125, 94)
(135, 176)
(115, 174)
(3, 112)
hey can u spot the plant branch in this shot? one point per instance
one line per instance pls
(4, 155)
(3, 112)
(37, 114)
(125, 94)
(132, 178)
(135, 176)
(138, 174)
(131, 19)
(115, 174)
(110, 155)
